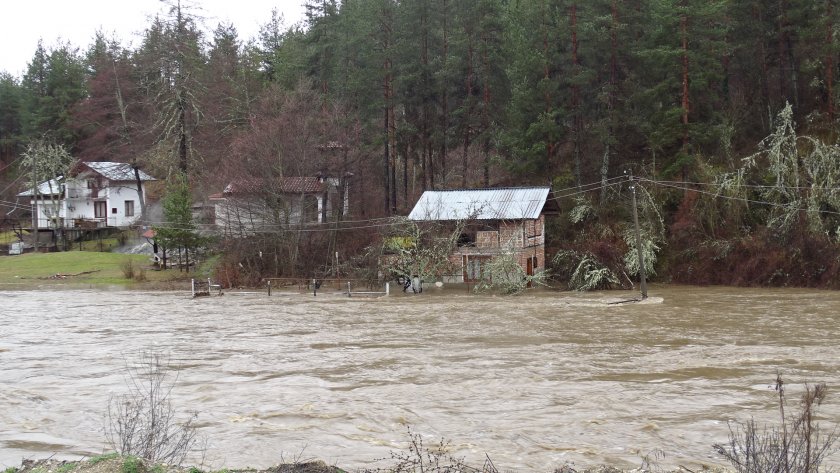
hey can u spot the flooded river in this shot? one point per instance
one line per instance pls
(533, 381)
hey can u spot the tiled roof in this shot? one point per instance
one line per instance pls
(284, 185)
(481, 204)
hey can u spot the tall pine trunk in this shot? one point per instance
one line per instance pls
(467, 120)
(445, 96)
(829, 59)
(577, 121)
(685, 91)
(485, 117)
(611, 98)
(546, 76)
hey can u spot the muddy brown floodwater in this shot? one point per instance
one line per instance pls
(534, 381)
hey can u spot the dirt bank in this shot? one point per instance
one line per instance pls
(115, 464)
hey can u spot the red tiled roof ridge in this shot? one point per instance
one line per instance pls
(293, 184)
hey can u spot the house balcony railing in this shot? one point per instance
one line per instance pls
(84, 193)
(83, 223)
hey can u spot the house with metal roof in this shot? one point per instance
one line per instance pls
(494, 221)
(253, 205)
(92, 195)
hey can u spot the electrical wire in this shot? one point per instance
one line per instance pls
(738, 199)
(384, 222)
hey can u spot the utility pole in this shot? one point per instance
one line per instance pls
(35, 199)
(643, 284)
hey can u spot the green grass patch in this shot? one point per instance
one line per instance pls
(75, 267)
(207, 267)
(66, 468)
(131, 465)
(8, 237)
(103, 457)
(11, 469)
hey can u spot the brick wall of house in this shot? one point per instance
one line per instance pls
(525, 237)
(487, 239)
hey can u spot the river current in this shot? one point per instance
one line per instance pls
(532, 381)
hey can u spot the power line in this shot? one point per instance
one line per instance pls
(13, 162)
(733, 198)
(11, 184)
(751, 186)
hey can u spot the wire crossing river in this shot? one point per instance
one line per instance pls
(533, 381)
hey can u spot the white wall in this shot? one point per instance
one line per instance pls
(239, 217)
(80, 203)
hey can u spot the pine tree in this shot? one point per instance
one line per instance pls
(170, 62)
(11, 121)
(54, 83)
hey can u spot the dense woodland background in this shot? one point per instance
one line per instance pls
(725, 109)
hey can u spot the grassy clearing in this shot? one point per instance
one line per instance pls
(75, 267)
(8, 237)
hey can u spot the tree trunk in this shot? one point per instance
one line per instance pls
(576, 119)
(485, 116)
(428, 166)
(140, 195)
(386, 162)
(611, 99)
(685, 98)
(765, 68)
(445, 95)
(468, 118)
(183, 164)
(784, 54)
(546, 95)
(829, 60)
(406, 154)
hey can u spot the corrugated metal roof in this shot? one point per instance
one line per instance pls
(481, 204)
(116, 171)
(109, 170)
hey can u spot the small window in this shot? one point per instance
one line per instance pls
(473, 267)
(99, 209)
(113, 210)
(129, 208)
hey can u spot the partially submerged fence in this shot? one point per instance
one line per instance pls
(201, 288)
(348, 287)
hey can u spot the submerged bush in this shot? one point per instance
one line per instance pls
(504, 274)
(434, 459)
(796, 445)
(584, 271)
(143, 422)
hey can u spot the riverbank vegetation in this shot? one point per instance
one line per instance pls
(725, 112)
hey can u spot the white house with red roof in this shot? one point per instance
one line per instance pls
(94, 194)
